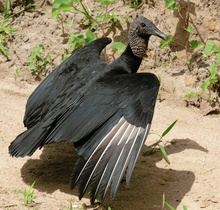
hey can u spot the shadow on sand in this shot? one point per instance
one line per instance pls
(53, 170)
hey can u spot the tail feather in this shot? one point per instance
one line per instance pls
(28, 142)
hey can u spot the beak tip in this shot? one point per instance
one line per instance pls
(160, 34)
(164, 37)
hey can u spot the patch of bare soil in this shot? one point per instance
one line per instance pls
(192, 178)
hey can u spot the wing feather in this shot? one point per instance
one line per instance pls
(118, 153)
(123, 162)
(134, 155)
(96, 158)
(80, 66)
(108, 124)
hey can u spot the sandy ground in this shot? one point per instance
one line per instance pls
(192, 178)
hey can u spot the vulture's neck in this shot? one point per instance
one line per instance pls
(130, 60)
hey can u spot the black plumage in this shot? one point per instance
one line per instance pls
(104, 109)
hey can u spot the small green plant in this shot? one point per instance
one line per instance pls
(160, 146)
(77, 40)
(60, 6)
(193, 44)
(27, 8)
(213, 79)
(193, 98)
(75, 206)
(17, 72)
(102, 17)
(8, 13)
(71, 206)
(189, 29)
(165, 203)
(28, 195)
(136, 4)
(213, 82)
(7, 9)
(171, 4)
(93, 19)
(2, 47)
(64, 55)
(6, 32)
(164, 43)
(118, 46)
(209, 48)
(39, 62)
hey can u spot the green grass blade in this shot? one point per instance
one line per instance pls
(165, 156)
(218, 59)
(163, 201)
(7, 8)
(169, 128)
(3, 50)
(148, 152)
(213, 69)
(169, 206)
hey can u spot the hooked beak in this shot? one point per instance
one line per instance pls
(160, 34)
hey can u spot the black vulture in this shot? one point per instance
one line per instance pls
(104, 109)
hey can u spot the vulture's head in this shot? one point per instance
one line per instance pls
(139, 33)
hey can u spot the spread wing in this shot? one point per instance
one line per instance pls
(75, 71)
(108, 126)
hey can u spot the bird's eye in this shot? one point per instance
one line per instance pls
(143, 24)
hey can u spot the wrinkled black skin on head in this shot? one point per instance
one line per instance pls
(144, 28)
